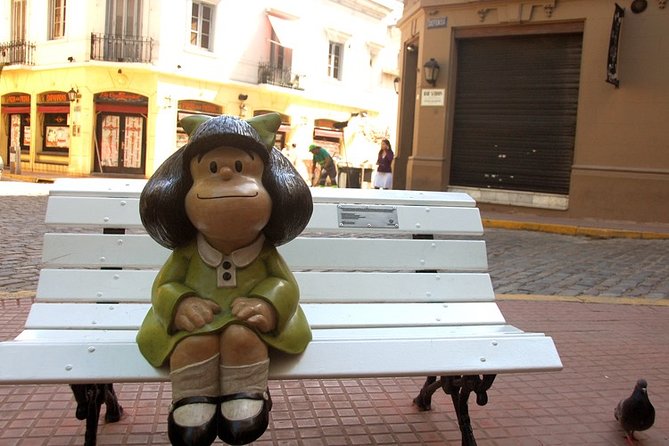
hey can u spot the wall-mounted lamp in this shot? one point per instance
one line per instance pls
(638, 6)
(73, 95)
(431, 69)
(396, 84)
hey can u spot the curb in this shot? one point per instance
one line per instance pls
(562, 229)
(611, 300)
(24, 178)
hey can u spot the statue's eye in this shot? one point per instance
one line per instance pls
(213, 167)
(238, 166)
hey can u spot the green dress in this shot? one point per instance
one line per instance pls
(260, 273)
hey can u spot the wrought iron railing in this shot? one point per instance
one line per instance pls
(114, 48)
(17, 52)
(270, 74)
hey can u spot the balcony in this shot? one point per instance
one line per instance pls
(270, 74)
(17, 52)
(114, 48)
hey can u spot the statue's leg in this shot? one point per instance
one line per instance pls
(245, 400)
(194, 372)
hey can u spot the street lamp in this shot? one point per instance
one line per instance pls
(431, 69)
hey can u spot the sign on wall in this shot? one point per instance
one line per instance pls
(612, 60)
(432, 97)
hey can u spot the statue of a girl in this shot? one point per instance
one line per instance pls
(222, 203)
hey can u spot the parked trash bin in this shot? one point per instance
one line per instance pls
(349, 177)
(353, 177)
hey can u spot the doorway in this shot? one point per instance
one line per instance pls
(404, 147)
(120, 143)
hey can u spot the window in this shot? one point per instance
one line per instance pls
(56, 19)
(18, 20)
(56, 133)
(279, 56)
(123, 18)
(335, 59)
(201, 26)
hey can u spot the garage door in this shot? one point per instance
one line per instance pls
(515, 112)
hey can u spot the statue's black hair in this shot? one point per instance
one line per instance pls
(162, 202)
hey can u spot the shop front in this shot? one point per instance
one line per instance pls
(53, 113)
(16, 117)
(120, 133)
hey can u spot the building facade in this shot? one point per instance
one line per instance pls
(98, 87)
(553, 107)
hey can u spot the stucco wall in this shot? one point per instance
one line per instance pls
(621, 152)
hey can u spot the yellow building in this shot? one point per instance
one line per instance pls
(99, 87)
(554, 107)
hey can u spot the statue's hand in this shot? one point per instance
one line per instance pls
(256, 312)
(194, 312)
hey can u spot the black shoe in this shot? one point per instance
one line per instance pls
(202, 435)
(237, 432)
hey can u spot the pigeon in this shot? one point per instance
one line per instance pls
(635, 413)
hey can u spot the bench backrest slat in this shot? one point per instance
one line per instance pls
(124, 213)
(140, 251)
(76, 285)
(127, 188)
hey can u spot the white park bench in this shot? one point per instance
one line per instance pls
(393, 283)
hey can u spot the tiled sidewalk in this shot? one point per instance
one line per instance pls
(604, 348)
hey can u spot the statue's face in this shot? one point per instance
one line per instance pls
(228, 203)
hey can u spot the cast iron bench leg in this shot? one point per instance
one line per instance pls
(459, 387)
(89, 398)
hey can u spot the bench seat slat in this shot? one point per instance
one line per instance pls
(86, 285)
(120, 361)
(358, 315)
(140, 251)
(331, 334)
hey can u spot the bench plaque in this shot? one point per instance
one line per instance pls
(369, 216)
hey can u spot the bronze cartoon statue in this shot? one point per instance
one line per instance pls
(222, 203)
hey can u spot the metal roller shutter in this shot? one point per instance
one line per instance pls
(515, 112)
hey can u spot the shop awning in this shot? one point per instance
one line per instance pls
(323, 133)
(53, 109)
(12, 110)
(285, 30)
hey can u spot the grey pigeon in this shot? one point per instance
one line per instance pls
(635, 413)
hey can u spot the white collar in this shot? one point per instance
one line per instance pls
(241, 257)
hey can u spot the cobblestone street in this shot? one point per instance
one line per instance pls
(520, 262)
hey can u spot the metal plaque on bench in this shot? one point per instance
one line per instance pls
(367, 216)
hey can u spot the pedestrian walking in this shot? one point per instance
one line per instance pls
(384, 177)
